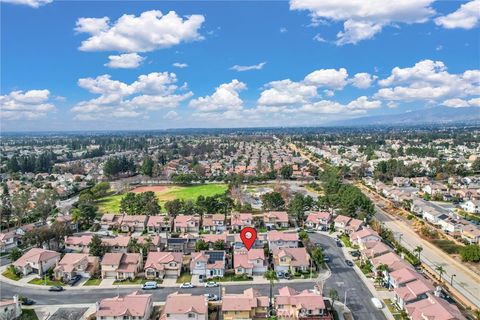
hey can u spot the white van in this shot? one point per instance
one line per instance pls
(150, 285)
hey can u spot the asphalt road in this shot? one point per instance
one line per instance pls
(344, 278)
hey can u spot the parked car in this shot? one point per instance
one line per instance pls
(339, 244)
(73, 281)
(211, 284)
(149, 285)
(349, 263)
(211, 297)
(326, 258)
(26, 301)
(187, 285)
(377, 303)
(280, 274)
(287, 276)
(355, 253)
(56, 288)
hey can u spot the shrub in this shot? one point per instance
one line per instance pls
(448, 246)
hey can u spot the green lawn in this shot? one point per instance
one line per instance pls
(28, 314)
(346, 240)
(92, 282)
(10, 275)
(134, 281)
(111, 204)
(49, 282)
(184, 277)
(396, 314)
(232, 277)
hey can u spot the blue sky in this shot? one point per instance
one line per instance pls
(231, 64)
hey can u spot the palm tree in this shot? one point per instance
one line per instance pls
(417, 250)
(333, 294)
(441, 270)
(76, 217)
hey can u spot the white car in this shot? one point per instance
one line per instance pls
(187, 285)
(211, 284)
(149, 285)
(211, 297)
(377, 303)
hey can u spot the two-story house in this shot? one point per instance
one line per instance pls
(163, 264)
(239, 221)
(249, 262)
(291, 304)
(186, 224)
(207, 264)
(291, 259)
(318, 220)
(282, 239)
(133, 306)
(134, 223)
(73, 264)
(247, 305)
(214, 223)
(275, 219)
(36, 260)
(121, 265)
(185, 307)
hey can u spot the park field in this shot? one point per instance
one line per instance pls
(111, 204)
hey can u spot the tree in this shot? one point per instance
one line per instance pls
(20, 205)
(45, 204)
(100, 190)
(96, 247)
(88, 213)
(418, 250)
(5, 204)
(59, 231)
(298, 205)
(219, 245)
(15, 254)
(147, 166)
(318, 256)
(471, 253)
(273, 201)
(173, 207)
(441, 270)
(133, 246)
(286, 171)
(201, 245)
(333, 294)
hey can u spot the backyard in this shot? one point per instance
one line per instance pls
(111, 204)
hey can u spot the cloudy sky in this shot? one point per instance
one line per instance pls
(72, 65)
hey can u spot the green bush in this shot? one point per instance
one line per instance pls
(448, 246)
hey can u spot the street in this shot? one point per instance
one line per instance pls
(345, 278)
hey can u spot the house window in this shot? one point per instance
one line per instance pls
(191, 315)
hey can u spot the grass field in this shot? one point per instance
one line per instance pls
(10, 275)
(49, 282)
(92, 282)
(111, 204)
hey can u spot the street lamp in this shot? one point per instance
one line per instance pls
(451, 279)
(400, 235)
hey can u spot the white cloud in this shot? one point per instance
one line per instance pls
(460, 103)
(362, 80)
(363, 19)
(125, 61)
(148, 32)
(30, 3)
(248, 68)
(28, 105)
(225, 97)
(466, 17)
(151, 92)
(171, 115)
(180, 65)
(428, 81)
(283, 30)
(319, 38)
(328, 78)
(286, 92)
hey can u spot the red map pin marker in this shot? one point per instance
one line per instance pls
(248, 236)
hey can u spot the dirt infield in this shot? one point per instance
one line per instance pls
(151, 188)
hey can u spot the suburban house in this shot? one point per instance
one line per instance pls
(207, 264)
(184, 307)
(241, 220)
(433, 308)
(185, 224)
(10, 309)
(374, 249)
(275, 219)
(249, 261)
(121, 265)
(291, 259)
(401, 182)
(78, 243)
(154, 240)
(111, 221)
(117, 244)
(73, 264)
(212, 238)
(291, 304)
(392, 262)
(470, 233)
(8, 240)
(363, 236)
(157, 224)
(36, 260)
(163, 264)
(247, 305)
(472, 206)
(214, 223)
(133, 223)
(435, 188)
(347, 224)
(281, 239)
(318, 220)
(135, 305)
(412, 291)
(184, 244)
(237, 242)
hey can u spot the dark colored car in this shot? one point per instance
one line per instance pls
(339, 244)
(55, 288)
(73, 281)
(355, 253)
(26, 301)
(349, 263)
(326, 259)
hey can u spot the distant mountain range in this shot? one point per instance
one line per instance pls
(436, 115)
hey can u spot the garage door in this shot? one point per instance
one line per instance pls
(110, 274)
